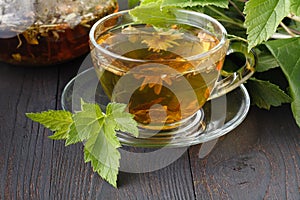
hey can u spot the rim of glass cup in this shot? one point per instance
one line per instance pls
(190, 58)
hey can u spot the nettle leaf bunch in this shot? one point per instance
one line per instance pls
(95, 129)
(272, 29)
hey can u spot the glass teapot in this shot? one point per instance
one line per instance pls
(45, 32)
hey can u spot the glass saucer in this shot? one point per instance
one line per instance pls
(217, 117)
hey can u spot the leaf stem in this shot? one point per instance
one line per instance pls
(237, 37)
(280, 36)
(225, 18)
(237, 9)
(294, 17)
(287, 29)
(295, 31)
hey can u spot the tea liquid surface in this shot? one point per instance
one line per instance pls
(168, 85)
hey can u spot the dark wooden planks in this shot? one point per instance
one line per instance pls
(25, 149)
(258, 160)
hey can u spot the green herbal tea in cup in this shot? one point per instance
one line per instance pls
(164, 72)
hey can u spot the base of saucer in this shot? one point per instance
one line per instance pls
(221, 115)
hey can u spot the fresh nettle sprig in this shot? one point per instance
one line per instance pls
(271, 27)
(97, 130)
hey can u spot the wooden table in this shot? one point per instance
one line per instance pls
(260, 159)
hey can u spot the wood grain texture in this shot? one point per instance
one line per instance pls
(25, 149)
(258, 160)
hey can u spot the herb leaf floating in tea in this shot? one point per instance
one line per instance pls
(96, 129)
(157, 40)
(162, 40)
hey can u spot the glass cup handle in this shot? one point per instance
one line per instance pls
(233, 79)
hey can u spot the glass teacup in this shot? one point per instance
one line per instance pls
(166, 72)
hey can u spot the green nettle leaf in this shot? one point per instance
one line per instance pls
(96, 130)
(58, 121)
(109, 130)
(144, 13)
(286, 52)
(295, 7)
(89, 120)
(191, 3)
(73, 136)
(101, 142)
(265, 61)
(262, 19)
(104, 157)
(124, 121)
(265, 94)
